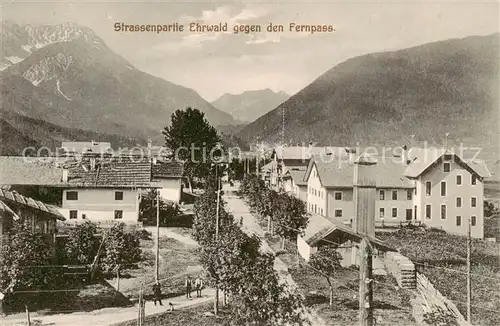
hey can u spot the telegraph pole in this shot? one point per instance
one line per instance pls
(365, 285)
(216, 302)
(157, 234)
(469, 288)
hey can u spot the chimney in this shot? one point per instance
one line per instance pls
(150, 143)
(405, 158)
(310, 144)
(64, 175)
(92, 164)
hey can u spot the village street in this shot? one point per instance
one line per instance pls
(240, 210)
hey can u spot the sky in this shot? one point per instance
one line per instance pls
(217, 63)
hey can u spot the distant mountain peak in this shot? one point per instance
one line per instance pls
(20, 41)
(251, 104)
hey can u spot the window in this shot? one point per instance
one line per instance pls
(473, 202)
(315, 209)
(459, 180)
(394, 195)
(118, 195)
(382, 212)
(446, 167)
(443, 211)
(409, 194)
(459, 201)
(394, 212)
(428, 186)
(447, 157)
(443, 188)
(382, 195)
(73, 215)
(473, 220)
(72, 195)
(338, 213)
(321, 211)
(428, 212)
(473, 180)
(459, 220)
(338, 195)
(84, 216)
(409, 213)
(118, 215)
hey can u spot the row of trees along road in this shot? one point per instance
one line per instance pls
(234, 263)
(287, 217)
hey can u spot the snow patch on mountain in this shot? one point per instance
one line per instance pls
(60, 92)
(14, 59)
(47, 69)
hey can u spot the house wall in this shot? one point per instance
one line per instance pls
(465, 191)
(316, 194)
(288, 185)
(170, 189)
(304, 249)
(401, 204)
(346, 204)
(99, 205)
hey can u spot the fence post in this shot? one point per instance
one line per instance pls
(28, 316)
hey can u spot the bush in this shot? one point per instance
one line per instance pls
(81, 245)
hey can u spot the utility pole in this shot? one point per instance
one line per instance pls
(216, 302)
(365, 285)
(157, 234)
(469, 288)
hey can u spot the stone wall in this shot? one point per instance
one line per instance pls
(430, 299)
(402, 269)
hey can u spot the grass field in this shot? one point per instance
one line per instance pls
(176, 261)
(445, 255)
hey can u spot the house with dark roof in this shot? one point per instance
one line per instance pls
(107, 190)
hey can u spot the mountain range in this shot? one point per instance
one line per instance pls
(415, 94)
(66, 76)
(250, 105)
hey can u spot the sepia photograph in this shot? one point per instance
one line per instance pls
(252, 162)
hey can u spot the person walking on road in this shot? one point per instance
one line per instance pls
(198, 283)
(188, 285)
(157, 293)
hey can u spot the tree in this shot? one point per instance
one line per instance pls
(192, 139)
(120, 249)
(263, 300)
(327, 261)
(82, 245)
(147, 209)
(23, 256)
(290, 217)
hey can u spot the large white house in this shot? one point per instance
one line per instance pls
(439, 190)
(106, 191)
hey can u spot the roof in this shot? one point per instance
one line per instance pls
(306, 152)
(6, 209)
(320, 227)
(269, 166)
(423, 159)
(17, 170)
(340, 173)
(112, 173)
(11, 196)
(297, 176)
(168, 169)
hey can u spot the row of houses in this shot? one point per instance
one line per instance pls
(102, 189)
(434, 187)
